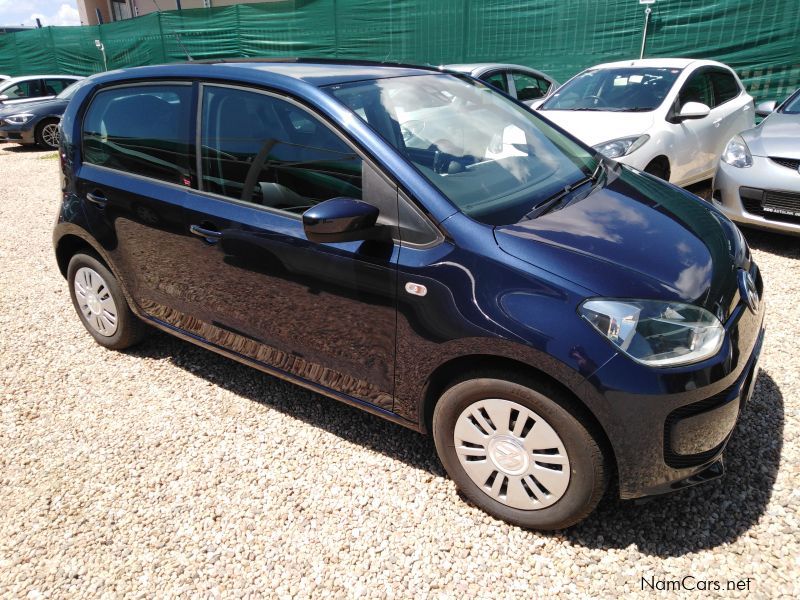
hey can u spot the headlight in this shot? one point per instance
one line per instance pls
(18, 119)
(737, 154)
(655, 333)
(622, 146)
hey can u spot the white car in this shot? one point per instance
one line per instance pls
(667, 116)
(523, 83)
(32, 88)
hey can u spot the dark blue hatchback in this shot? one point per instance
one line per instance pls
(423, 246)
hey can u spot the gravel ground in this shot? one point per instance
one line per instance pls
(169, 470)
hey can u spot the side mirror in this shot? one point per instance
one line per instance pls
(694, 110)
(765, 108)
(340, 220)
(3, 97)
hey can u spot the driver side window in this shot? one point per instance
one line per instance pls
(697, 89)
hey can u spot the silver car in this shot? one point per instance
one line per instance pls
(758, 179)
(523, 83)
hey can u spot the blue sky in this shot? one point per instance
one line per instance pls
(50, 12)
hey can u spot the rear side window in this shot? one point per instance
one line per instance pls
(497, 79)
(529, 87)
(266, 151)
(144, 130)
(725, 86)
(24, 89)
(53, 87)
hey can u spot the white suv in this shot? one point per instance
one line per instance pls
(667, 116)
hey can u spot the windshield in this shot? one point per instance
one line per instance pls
(629, 89)
(68, 91)
(495, 160)
(792, 106)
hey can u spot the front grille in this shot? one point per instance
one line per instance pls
(789, 163)
(754, 201)
(679, 461)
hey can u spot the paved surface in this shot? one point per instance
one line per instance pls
(169, 470)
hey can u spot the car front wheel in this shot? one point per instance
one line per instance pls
(518, 452)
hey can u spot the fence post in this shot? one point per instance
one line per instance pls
(161, 33)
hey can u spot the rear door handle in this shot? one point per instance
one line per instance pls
(212, 236)
(717, 122)
(97, 198)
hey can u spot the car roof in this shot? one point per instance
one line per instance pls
(317, 72)
(29, 77)
(663, 63)
(484, 66)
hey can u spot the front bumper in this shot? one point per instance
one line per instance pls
(668, 428)
(22, 134)
(740, 194)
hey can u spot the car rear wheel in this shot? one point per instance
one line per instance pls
(518, 452)
(100, 304)
(46, 134)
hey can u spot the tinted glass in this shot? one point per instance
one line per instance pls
(24, 89)
(529, 87)
(725, 86)
(69, 91)
(628, 89)
(498, 80)
(143, 130)
(269, 152)
(53, 87)
(493, 158)
(697, 89)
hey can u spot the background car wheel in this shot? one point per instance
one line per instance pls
(46, 134)
(101, 305)
(518, 452)
(659, 167)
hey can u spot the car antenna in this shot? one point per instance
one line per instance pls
(177, 36)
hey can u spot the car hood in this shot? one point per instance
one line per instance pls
(635, 236)
(777, 135)
(596, 127)
(37, 106)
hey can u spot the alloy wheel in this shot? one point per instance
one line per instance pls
(50, 135)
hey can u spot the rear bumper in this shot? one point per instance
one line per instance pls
(668, 428)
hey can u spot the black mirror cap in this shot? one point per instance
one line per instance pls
(340, 220)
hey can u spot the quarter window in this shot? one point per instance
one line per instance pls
(266, 151)
(145, 130)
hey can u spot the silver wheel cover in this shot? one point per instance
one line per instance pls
(50, 134)
(512, 454)
(95, 301)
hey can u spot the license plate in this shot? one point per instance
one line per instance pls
(781, 211)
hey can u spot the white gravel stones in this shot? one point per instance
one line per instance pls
(170, 471)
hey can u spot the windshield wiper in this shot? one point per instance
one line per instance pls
(552, 201)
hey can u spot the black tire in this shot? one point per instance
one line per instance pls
(129, 329)
(658, 167)
(38, 134)
(588, 471)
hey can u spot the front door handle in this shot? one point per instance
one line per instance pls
(212, 236)
(97, 198)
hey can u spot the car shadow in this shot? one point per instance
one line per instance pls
(23, 148)
(780, 244)
(671, 525)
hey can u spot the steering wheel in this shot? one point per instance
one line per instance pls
(598, 100)
(411, 129)
(443, 157)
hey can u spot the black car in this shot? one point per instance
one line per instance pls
(422, 246)
(35, 122)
